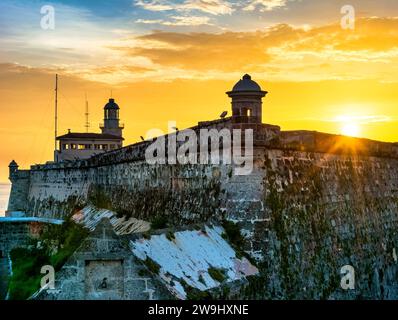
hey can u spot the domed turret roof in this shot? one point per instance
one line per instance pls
(13, 164)
(111, 105)
(246, 84)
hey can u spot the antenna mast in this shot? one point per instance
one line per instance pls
(56, 111)
(87, 124)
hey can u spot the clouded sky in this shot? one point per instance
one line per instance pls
(174, 59)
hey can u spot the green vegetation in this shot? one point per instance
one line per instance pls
(143, 273)
(152, 265)
(146, 235)
(100, 199)
(26, 266)
(54, 246)
(196, 294)
(193, 293)
(255, 288)
(232, 233)
(201, 280)
(217, 274)
(61, 241)
(159, 222)
(170, 236)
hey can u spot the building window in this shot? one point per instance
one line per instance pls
(73, 146)
(100, 147)
(65, 146)
(247, 112)
(84, 146)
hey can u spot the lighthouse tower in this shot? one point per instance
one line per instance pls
(111, 123)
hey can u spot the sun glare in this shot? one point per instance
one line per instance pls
(350, 129)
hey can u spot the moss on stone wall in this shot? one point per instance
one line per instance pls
(321, 218)
(54, 246)
(217, 274)
(177, 206)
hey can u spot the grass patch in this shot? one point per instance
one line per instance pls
(217, 274)
(61, 241)
(100, 199)
(232, 233)
(202, 280)
(146, 235)
(170, 236)
(159, 222)
(26, 266)
(143, 273)
(195, 294)
(54, 246)
(153, 266)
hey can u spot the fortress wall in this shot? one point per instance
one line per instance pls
(182, 193)
(13, 235)
(326, 211)
(305, 214)
(19, 191)
(54, 193)
(123, 181)
(17, 233)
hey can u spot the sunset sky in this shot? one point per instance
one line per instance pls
(175, 59)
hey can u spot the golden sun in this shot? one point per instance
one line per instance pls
(351, 129)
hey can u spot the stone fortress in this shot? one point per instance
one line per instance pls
(313, 203)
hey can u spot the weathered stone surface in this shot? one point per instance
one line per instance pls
(104, 268)
(185, 259)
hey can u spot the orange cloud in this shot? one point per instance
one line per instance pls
(280, 52)
(229, 51)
